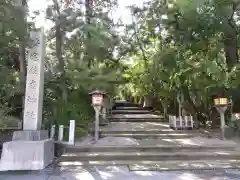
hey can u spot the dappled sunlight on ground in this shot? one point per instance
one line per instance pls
(200, 141)
(188, 157)
(83, 175)
(144, 173)
(106, 175)
(143, 126)
(159, 124)
(116, 141)
(188, 176)
(121, 173)
(135, 116)
(180, 141)
(72, 163)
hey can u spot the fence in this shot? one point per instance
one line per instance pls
(61, 130)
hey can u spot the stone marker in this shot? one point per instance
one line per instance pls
(31, 149)
(34, 86)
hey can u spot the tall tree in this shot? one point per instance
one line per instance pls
(89, 16)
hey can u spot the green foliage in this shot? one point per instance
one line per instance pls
(172, 47)
(180, 47)
(77, 47)
(7, 121)
(89, 64)
(78, 108)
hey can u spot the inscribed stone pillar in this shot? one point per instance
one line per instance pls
(32, 119)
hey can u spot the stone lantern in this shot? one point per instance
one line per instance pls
(221, 104)
(97, 102)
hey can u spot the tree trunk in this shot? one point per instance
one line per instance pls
(147, 102)
(59, 46)
(89, 14)
(61, 63)
(23, 71)
(141, 101)
(230, 38)
(179, 104)
(230, 47)
(22, 57)
(165, 109)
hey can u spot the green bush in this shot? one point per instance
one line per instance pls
(7, 121)
(78, 108)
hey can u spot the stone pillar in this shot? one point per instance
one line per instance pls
(35, 82)
(31, 149)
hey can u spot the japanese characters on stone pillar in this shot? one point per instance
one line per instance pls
(32, 119)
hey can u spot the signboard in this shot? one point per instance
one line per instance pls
(97, 99)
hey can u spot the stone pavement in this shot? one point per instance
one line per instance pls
(87, 164)
(121, 173)
(140, 143)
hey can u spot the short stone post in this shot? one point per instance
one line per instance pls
(191, 119)
(104, 113)
(52, 132)
(171, 121)
(60, 133)
(71, 132)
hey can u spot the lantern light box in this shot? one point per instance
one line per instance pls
(97, 97)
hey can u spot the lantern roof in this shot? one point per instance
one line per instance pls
(97, 92)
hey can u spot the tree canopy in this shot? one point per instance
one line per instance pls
(172, 51)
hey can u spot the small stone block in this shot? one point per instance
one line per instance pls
(26, 155)
(30, 135)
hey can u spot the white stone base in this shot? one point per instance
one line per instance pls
(26, 155)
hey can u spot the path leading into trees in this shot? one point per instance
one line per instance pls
(138, 145)
(137, 138)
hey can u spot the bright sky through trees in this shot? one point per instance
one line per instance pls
(121, 12)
